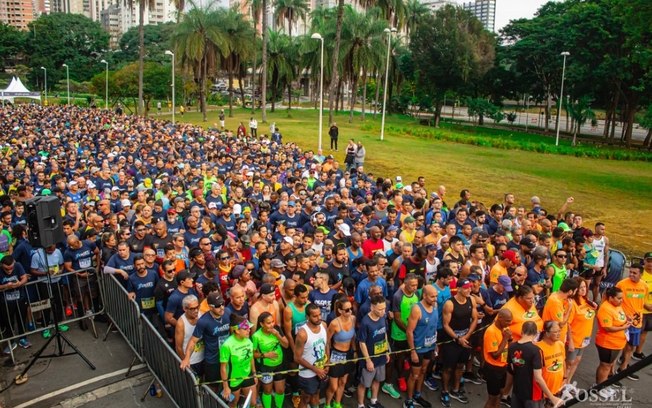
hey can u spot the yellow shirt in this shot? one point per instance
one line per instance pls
(634, 295)
(496, 271)
(493, 336)
(554, 356)
(555, 309)
(647, 278)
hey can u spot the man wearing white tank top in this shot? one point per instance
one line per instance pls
(601, 245)
(310, 351)
(183, 332)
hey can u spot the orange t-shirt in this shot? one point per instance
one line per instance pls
(581, 323)
(496, 271)
(520, 316)
(611, 316)
(554, 356)
(555, 310)
(633, 299)
(493, 336)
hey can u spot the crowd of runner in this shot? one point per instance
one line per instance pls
(277, 271)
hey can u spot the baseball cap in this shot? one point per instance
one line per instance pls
(464, 283)
(407, 219)
(647, 255)
(277, 263)
(506, 282)
(511, 256)
(237, 271)
(183, 275)
(289, 240)
(292, 204)
(528, 243)
(125, 203)
(431, 247)
(345, 229)
(392, 228)
(172, 211)
(474, 277)
(267, 288)
(214, 299)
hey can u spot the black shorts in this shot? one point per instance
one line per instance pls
(495, 377)
(452, 354)
(399, 345)
(309, 386)
(244, 384)
(271, 374)
(647, 322)
(212, 372)
(342, 363)
(606, 355)
(426, 355)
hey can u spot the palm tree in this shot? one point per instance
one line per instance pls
(580, 111)
(197, 41)
(290, 10)
(362, 40)
(280, 67)
(239, 46)
(263, 81)
(143, 5)
(414, 12)
(256, 15)
(180, 5)
(336, 54)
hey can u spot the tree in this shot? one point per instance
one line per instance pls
(451, 51)
(197, 41)
(263, 81)
(647, 124)
(280, 67)
(12, 42)
(124, 82)
(336, 56)
(157, 39)
(290, 10)
(415, 10)
(143, 6)
(64, 39)
(481, 107)
(580, 111)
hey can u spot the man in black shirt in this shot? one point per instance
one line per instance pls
(524, 364)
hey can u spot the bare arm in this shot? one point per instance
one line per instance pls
(179, 332)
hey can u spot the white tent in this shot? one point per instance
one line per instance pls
(17, 89)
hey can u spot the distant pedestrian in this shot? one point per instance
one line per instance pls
(253, 127)
(334, 133)
(221, 117)
(158, 108)
(360, 154)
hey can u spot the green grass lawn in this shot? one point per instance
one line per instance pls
(618, 193)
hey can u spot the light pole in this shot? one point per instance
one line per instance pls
(561, 94)
(67, 81)
(168, 52)
(45, 87)
(106, 85)
(389, 44)
(317, 36)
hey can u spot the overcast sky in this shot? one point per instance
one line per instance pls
(507, 10)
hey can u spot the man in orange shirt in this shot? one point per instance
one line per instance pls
(509, 260)
(634, 294)
(559, 307)
(495, 342)
(610, 338)
(523, 310)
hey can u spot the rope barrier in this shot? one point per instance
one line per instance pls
(353, 360)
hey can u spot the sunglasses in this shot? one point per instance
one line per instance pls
(348, 310)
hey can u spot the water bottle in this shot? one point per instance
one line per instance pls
(152, 390)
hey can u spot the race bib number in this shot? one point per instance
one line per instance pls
(148, 303)
(430, 341)
(85, 263)
(199, 346)
(267, 378)
(627, 335)
(337, 356)
(55, 270)
(12, 296)
(160, 253)
(380, 347)
(586, 341)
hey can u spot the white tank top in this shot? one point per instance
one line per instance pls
(314, 351)
(599, 245)
(198, 353)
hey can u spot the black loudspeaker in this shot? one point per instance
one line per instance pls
(44, 221)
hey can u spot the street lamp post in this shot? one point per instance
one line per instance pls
(45, 87)
(317, 36)
(561, 94)
(68, 81)
(389, 44)
(106, 85)
(168, 52)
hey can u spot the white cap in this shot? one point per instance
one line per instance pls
(289, 240)
(125, 202)
(345, 229)
(399, 179)
(237, 209)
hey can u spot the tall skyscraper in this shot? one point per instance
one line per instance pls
(485, 11)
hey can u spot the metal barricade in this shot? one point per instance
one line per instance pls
(210, 399)
(163, 363)
(32, 308)
(123, 313)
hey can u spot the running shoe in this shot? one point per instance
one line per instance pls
(24, 343)
(64, 328)
(389, 389)
(376, 404)
(46, 334)
(432, 384)
(8, 350)
(68, 311)
(638, 356)
(632, 376)
(419, 400)
(460, 396)
(402, 384)
(408, 403)
(445, 399)
(506, 401)
(471, 377)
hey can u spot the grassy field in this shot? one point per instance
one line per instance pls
(618, 193)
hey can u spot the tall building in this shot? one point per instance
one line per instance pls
(485, 11)
(437, 4)
(118, 18)
(18, 13)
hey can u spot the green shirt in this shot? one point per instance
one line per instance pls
(238, 355)
(558, 276)
(403, 304)
(265, 343)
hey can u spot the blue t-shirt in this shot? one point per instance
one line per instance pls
(323, 300)
(144, 289)
(175, 300)
(214, 333)
(374, 335)
(442, 296)
(12, 295)
(362, 291)
(81, 258)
